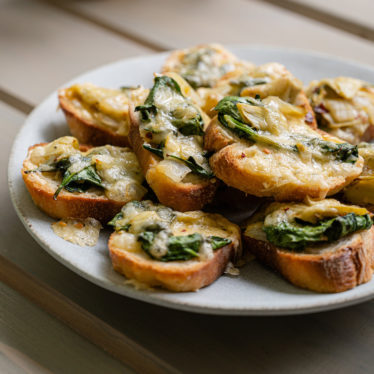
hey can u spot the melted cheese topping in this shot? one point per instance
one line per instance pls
(176, 223)
(311, 211)
(108, 108)
(271, 79)
(117, 167)
(201, 65)
(281, 165)
(77, 231)
(344, 106)
(361, 191)
(171, 105)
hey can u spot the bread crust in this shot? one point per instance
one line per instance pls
(226, 165)
(179, 196)
(336, 271)
(87, 132)
(67, 205)
(179, 276)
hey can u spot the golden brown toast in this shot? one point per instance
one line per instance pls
(182, 196)
(265, 170)
(342, 267)
(324, 246)
(86, 119)
(187, 274)
(92, 203)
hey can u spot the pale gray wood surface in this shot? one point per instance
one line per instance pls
(180, 23)
(45, 46)
(359, 12)
(30, 340)
(41, 48)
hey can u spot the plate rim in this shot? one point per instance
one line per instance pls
(147, 296)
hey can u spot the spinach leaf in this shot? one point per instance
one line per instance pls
(240, 84)
(344, 152)
(183, 247)
(191, 126)
(217, 242)
(247, 132)
(228, 106)
(146, 239)
(148, 109)
(157, 151)
(180, 248)
(194, 166)
(115, 219)
(79, 181)
(299, 234)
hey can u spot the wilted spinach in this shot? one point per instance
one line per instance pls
(299, 234)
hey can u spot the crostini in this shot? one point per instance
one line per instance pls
(99, 116)
(361, 190)
(324, 246)
(344, 107)
(271, 79)
(202, 65)
(66, 180)
(266, 149)
(166, 133)
(158, 246)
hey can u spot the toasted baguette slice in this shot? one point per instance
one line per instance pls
(202, 65)
(175, 276)
(266, 170)
(331, 267)
(336, 268)
(96, 115)
(130, 259)
(344, 107)
(182, 196)
(175, 184)
(92, 203)
(271, 79)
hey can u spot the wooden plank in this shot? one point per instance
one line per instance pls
(86, 324)
(32, 342)
(41, 48)
(355, 17)
(178, 23)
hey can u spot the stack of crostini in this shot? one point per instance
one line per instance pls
(147, 161)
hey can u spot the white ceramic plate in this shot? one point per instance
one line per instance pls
(257, 291)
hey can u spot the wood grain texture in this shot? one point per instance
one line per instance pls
(235, 22)
(80, 320)
(354, 17)
(32, 342)
(42, 47)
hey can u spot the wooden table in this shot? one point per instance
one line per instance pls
(51, 320)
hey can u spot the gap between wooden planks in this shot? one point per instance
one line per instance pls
(320, 15)
(106, 26)
(84, 323)
(15, 102)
